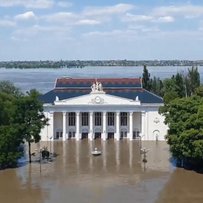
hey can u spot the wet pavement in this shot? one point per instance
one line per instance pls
(117, 176)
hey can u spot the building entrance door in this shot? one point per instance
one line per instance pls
(136, 134)
(58, 135)
(71, 134)
(124, 134)
(84, 135)
(97, 135)
(110, 135)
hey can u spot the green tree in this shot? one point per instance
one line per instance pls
(29, 114)
(184, 117)
(10, 141)
(179, 85)
(174, 88)
(157, 86)
(193, 80)
(169, 90)
(10, 136)
(146, 81)
(9, 88)
(199, 91)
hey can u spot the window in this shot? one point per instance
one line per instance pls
(71, 119)
(85, 119)
(124, 119)
(97, 118)
(110, 119)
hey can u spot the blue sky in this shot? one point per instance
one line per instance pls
(101, 29)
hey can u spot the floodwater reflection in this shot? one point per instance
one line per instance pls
(77, 176)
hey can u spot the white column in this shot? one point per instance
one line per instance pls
(117, 126)
(131, 125)
(64, 126)
(90, 135)
(146, 126)
(143, 125)
(77, 134)
(104, 133)
(51, 126)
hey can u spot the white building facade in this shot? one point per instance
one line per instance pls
(87, 109)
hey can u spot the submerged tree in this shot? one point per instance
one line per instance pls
(29, 114)
(10, 136)
(184, 117)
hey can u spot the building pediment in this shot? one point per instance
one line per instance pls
(97, 99)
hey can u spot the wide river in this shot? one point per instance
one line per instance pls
(117, 176)
(43, 79)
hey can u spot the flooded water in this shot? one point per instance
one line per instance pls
(117, 176)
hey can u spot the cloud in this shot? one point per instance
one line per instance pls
(113, 34)
(42, 32)
(7, 23)
(68, 18)
(136, 18)
(41, 4)
(26, 16)
(61, 17)
(108, 10)
(186, 11)
(87, 22)
(147, 18)
(64, 4)
(88, 16)
(165, 19)
(144, 29)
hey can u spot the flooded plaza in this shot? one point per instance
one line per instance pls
(117, 176)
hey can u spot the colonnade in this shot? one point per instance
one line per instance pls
(91, 128)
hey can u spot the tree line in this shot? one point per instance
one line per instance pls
(83, 63)
(183, 111)
(21, 120)
(179, 85)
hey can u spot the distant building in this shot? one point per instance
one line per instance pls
(105, 108)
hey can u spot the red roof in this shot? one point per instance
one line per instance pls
(106, 82)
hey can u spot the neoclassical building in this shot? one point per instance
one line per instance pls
(104, 108)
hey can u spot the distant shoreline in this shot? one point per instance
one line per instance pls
(95, 63)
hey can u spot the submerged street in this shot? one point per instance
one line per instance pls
(118, 175)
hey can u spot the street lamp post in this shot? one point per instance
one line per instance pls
(140, 141)
(40, 160)
(50, 144)
(144, 160)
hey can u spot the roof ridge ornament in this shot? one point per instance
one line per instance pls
(57, 98)
(97, 87)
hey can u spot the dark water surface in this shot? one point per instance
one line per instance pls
(117, 176)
